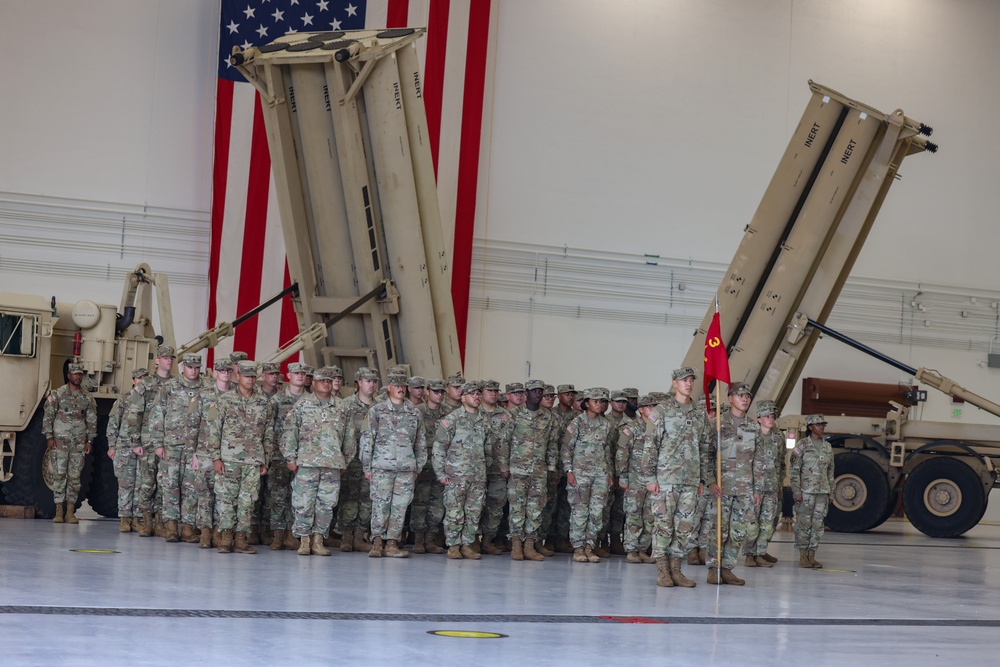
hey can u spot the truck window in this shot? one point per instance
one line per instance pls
(17, 334)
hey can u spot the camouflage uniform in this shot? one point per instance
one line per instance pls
(198, 490)
(533, 454)
(678, 448)
(498, 432)
(738, 455)
(69, 418)
(427, 509)
(174, 424)
(241, 435)
(393, 450)
(767, 475)
(278, 501)
(126, 461)
(355, 513)
(586, 452)
(556, 514)
(317, 438)
(614, 507)
(638, 500)
(459, 454)
(811, 474)
(136, 421)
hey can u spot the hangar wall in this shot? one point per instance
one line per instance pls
(619, 130)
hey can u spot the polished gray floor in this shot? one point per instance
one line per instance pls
(891, 594)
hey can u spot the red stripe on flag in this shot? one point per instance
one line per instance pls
(397, 14)
(289, 326)
(253, 233)
(223, 126)
(437, 47)
(468, 162)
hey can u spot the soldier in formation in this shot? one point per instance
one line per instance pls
(769, 462)
(810, 472)
(124, 454)
(637, 501)
(427, 510)
(355, 508)
(498, 432)
(69, 424)
(279, 486)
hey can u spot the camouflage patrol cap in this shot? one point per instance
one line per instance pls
(140, 372)
(338, 372)
(549, 390)
(737, 388)
(765, 408)
(630, 392)
(270, 367)
(532, 384)
(365, 373)
(191, 360)
(325, 373)
(683, 372)
(74, 368)
(502, 398)
(566, 389)
(491, 385)
(247, 368)
(299, 367)
(470, 388)
(237, 357)
(659, 396)
(164, 351)
(618, 395)
(398, 379)
(436, 385)
(513, 388)
(222, 365)
(813, 420)
(417, 382)
(597, 394)
(456, 380)
(647, 400)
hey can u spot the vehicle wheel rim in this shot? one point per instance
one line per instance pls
(849, 493)
(942, 497)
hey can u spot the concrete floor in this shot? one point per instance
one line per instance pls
(890, 594)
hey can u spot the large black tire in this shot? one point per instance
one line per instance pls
(27, 486)
(944, 497)
(103, 492)
(860, 494)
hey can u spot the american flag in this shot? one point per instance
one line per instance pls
(247, 262)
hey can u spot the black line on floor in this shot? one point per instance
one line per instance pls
(486, 618)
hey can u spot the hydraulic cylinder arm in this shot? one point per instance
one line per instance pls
(224, 330)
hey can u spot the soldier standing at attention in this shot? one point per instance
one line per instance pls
(454, 391)
(555, 516)
(811, 473)
(586, 458)
(199, 473)
(174, 426)
(279, 486)
(69, 423)
(427, 509)
(125, 457)
(355, 512)
(515, 395)
(137, 418)
(241, 440)
(393, 451)
(498, 430)
(737, 492)
(533, 455)
(767, 476)
(678, 448)
(637, 501)
(459, 459)
(416, 387)
(317, 446)
(614, 511)
(260, 533)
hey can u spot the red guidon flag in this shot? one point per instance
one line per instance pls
(716, 360)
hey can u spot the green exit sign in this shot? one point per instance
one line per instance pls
(956, 412)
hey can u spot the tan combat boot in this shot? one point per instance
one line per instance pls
(170, 530)
(769, 558)
(579, 556)
(278, 542)
(591, 555)
(305, 546)
(677, 576)
(702, 556)
(475, 546)
(188, 534)
(136, 524)
(529, 550)
(693, 557)
(729, 578)
(663, 572)
(266, 535)
(617, 547)
(713, 577)
(291, 542)
(600, 551)
(812, 558)
(645, 557)
(206, 539)
(564, 546)
(159, 529)
(242, 544)
(347, 540)
(544, 550)
(431, 546)
(125, 524)
(253, 536)
(750, 561)
(455, 552)
(71, 513)
(392, 550)
(58, 518)
(491, 549)
(317, 544)
(147, 525)
(419, 541)
(760, 562)
(225, 541)
(360, 541)
(468, 553)
(331, 541)
(516, 550)
(804, 559)
(633, 557)
(376, 549)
